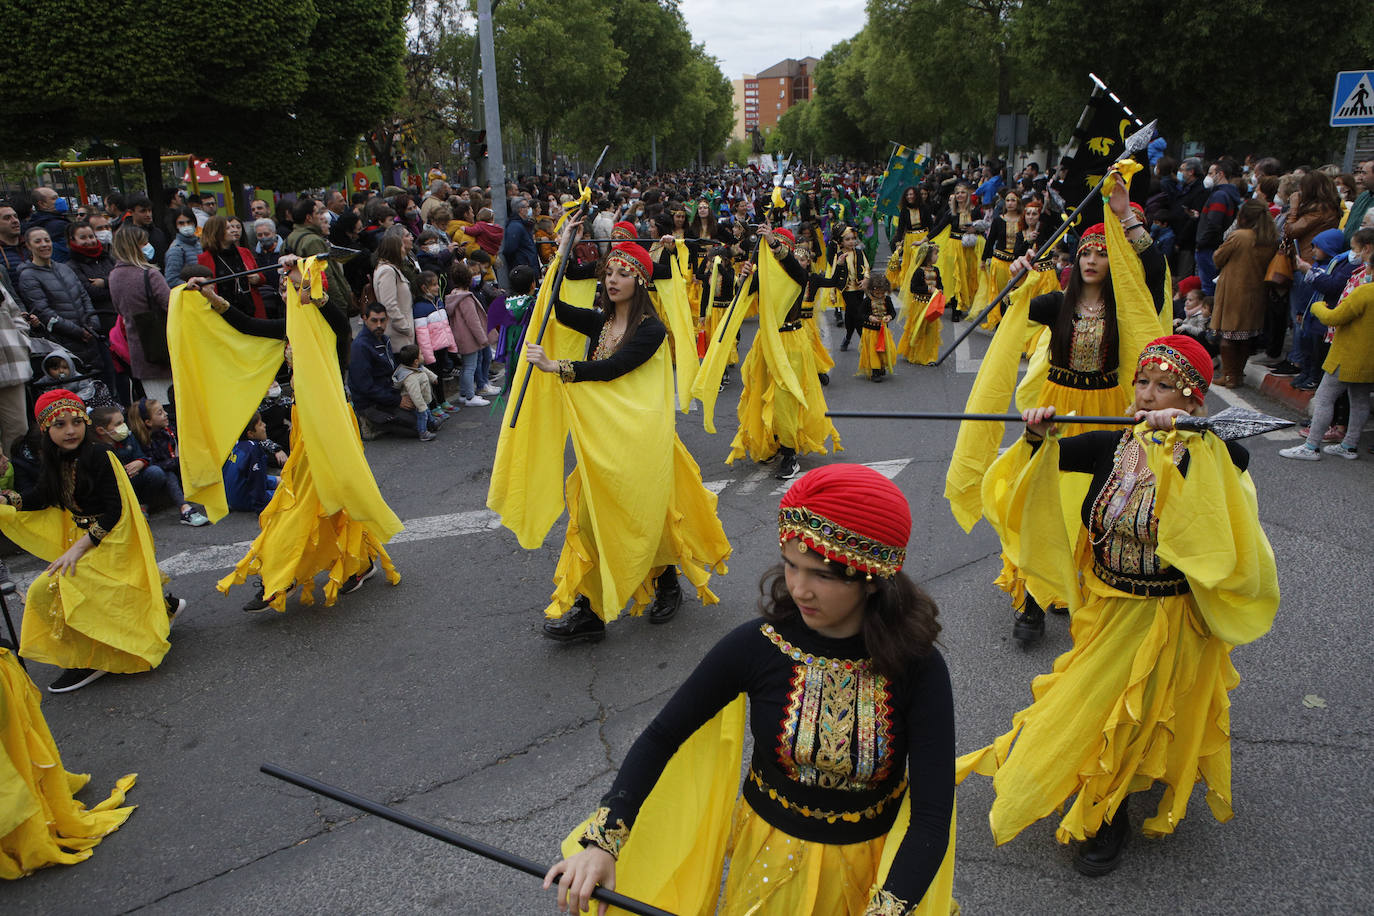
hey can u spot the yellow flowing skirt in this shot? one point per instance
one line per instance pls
(991, 281)
(40, 822)
(110, 614)
(692, 540)
(299, 539)
(869, 356)
(770, 416)
(920, 340)
(959, 269)
(1142, 697)
(713, 320)
(824, 361)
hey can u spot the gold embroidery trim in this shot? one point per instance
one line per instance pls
(886, 903)
(839, 543)
(822, 814)
(565, 370)
(12, 498)
(806, 658)
(611, 840)
(1142, 242)
(97, 532)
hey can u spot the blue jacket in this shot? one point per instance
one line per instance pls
(56, 224)
(370, 367)
(987, 191)
(245, 477)
(518, 245)
(181, 252)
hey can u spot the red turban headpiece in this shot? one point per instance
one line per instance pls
(57, 403)
(850, 514)
(634, 258)
(1185, 359)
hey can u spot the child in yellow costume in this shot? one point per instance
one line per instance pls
(820, 355)
(922, 305)
(848, 805)
(1165, 569)
(782, 408)
(636, 506)
(41, 823)
(99, 607)
(877, 349)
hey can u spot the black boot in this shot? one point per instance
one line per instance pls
(824, 377)
(1030, 623)
(725, 379)
(667, 597)
(578, 623)
(844, 344)
(1101, 853)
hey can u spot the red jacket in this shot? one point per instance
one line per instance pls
(487, 236)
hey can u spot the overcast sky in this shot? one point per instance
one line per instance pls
(751, 35)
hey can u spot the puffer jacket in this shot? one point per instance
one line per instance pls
(432, 331)
(468, 321)
(181, 252)
(58, 297)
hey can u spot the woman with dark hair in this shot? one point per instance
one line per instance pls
(98, 608)
(224, 256)
(848, 804)
(184, 232)
(285, 217)
(1239, 306)
(621, 393)
(1102, 314)
(998, 252)
(392, 276)
(1165, 570)
(344, 234)
(961, 249)
(92, 262)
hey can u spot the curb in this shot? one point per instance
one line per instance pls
(1259, 378)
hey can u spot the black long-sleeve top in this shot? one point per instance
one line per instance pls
(1044, 309)
(998, 245)
(870, 317)
(895, 737)
(920, 288)
(643, 343)
(94, 491)
(725, 278)
(906, 223)
(801, 276)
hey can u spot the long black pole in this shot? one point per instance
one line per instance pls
(998, 417)
(9, 625)
(563, 250)
(276, 266)
(739, 292)
(509, 859)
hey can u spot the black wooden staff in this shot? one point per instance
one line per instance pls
(509, 859)
(334, 251)
(563, 249)
(1230, 424)
(1134, 144)
(9, 624)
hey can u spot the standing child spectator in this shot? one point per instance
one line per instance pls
(153, 429)
(149, 480)
(415, 380)
(508, 317)
(433, 336)
(468, 321)
(248, 487)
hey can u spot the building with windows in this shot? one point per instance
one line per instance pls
(760, 100)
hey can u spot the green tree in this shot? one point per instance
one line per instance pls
(702, 121)
(555, 64)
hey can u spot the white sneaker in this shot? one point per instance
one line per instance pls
(1340, 451)
(475, 401)
(1301, 452)
(490, 391)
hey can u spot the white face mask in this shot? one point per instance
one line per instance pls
(105, 235)
(436, 248)
(1354, 256)
(1208, 182)
(187, 231)
(148, 250)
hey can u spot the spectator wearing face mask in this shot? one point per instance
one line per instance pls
(267, 248)
(185, 248)
(45, 216)
(1217, 215)
(518, 245)
(92, 262)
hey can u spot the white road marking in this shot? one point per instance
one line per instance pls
(756, 478)
(888, 469)
(962, 361)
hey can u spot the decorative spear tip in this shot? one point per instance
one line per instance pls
(1140, 139)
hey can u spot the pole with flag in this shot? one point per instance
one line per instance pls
(904, 168)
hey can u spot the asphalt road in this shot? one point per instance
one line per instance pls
(440, 697)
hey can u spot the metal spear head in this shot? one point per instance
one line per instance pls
(1139, 140)
(1234, 423)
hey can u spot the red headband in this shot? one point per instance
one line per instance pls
(57, 403)
(634, 258)
(623, 230)
(850, 514)
(1183, 358)
(1094, 237)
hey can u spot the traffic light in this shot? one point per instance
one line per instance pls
(477, 145)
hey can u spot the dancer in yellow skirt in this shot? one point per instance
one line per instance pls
(877, 349)
(999, 250)
(41, 823)
(717, 276)
(961, 250)
(327, 514)
(1165, 569)
(848, 805)
(99, 607)
(782, 409)
(820, 355)
(914, 222)
(636, 506)
(923, 305)
(1100, 321)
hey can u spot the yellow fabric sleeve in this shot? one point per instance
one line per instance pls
(676, 310)
(777, 292)
(685, 822)
(1137, 322)
(221, 376)
(1209, 529)
(344, 481)
(707, 386)
(526, 487)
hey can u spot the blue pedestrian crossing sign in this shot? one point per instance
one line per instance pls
(1352, 105)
